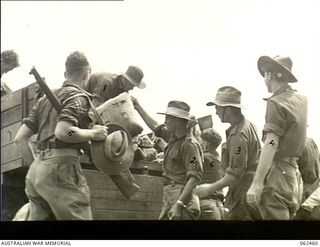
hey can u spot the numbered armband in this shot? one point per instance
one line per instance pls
(193, 160)
(71, 132)
(272, 143)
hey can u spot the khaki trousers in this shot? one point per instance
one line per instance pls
(57, 189)
(282, 193)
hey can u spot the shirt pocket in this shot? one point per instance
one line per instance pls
(172, 161)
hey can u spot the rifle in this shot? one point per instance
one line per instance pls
(123, 181)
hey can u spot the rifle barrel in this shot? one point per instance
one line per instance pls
(46, 90)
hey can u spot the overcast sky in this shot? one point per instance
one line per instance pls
(187, 49)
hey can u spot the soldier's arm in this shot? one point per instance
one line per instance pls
(205, 190)
(22, 142)
(194, 168)
(152, 124)
(67, 129)
(265, 162)
(266, 158)
(67, 132)
(193, 164)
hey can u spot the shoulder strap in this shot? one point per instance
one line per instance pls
(94, 110)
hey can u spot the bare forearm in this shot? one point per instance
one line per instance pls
(266, 160)
(25, 152)
(66, 132)
(190, 185)
(264, 165)
(22, 142)
(73, 134)
(146, 117)
(227, 180)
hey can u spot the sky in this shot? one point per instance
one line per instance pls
(187, 49)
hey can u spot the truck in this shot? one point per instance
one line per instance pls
(108, 203)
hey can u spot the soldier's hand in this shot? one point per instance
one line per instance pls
(254, 194)
(203, 190)
(100, 132)
(175, 212)
(302, 214)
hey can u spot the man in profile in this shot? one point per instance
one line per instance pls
(239, 156)
(277, 186)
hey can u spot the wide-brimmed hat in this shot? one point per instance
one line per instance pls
(177, 109)
(227, 96)
(134, 75)
(114, 155)
(277, 64)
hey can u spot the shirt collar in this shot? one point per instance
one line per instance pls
(234, 128)
(280, 91)
(70, 84)
(176, 138)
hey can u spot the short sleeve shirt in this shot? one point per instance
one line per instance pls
(286, 116)
(212, 171)
(182, 159)
(43, 118)
(240, 156)
(242, 149)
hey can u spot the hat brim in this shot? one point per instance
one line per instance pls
(103, 163)
(174, 115)
(212, 103)
(140, 85)
(266, 63)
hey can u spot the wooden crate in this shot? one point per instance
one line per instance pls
(108, 203)
(14, 107)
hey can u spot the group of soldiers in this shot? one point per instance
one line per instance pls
(279, 181)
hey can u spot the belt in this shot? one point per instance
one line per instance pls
(168, 181)
(56, 152)
(46, 145)
(53, 145)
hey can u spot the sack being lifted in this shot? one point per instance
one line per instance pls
(120, 110)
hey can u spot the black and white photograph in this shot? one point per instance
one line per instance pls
(181, 114)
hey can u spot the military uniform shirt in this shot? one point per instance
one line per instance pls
(75, 110)
(212, 171)
(240, 156)
(104, 86)
(286, 117)
(182, 159)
